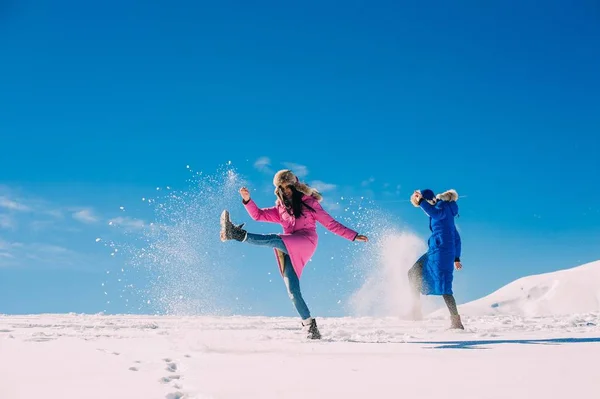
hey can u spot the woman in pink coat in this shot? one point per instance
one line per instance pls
(297, 210)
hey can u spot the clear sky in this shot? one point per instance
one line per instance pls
(101, 104)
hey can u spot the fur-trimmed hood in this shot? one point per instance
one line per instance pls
(449, 196)
(286, 177)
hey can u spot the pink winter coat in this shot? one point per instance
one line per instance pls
(299, 234)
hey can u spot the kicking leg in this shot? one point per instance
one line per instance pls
(415, 279)
(229, 231)
(266, 240)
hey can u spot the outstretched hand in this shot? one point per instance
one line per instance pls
(361, 238)
(245, 194)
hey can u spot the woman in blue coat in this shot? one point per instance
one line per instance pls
(432, 274)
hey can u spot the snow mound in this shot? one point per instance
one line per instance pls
(568, 291)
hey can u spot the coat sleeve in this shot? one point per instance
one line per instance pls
(331, 224)
(433, 211)
(457, 245)
(270, 215)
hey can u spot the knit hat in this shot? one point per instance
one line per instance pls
(286, 177)
(428, 195)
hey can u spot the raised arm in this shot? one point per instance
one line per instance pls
(433, 211)
(270, 215)
(331, 224)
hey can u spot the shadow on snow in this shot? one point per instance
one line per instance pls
(475, 344)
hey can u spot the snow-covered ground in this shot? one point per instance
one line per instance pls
(537, 337)
(97, 356)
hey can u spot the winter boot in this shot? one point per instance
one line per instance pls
(455, 322)
(229, 231)
(313, 330)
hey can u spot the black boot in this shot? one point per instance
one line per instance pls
(313, 330)
(229, 231)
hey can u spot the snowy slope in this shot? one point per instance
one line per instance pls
(569, 291)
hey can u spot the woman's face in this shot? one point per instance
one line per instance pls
(287, 192)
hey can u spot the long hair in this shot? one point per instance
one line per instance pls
(295, 204)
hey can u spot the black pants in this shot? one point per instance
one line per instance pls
(415, 279)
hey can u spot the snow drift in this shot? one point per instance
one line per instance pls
(568, 291)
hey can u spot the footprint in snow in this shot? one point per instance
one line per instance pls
(166, 380)
(106, 351)
(133, 368)
(41, 339)
(172, 367)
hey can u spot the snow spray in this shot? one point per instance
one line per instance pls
(180, 263)
(383, 266)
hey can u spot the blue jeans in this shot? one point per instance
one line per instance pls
(289, 275)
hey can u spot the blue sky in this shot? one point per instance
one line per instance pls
(102, 104)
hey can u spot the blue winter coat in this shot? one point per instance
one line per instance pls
(444, 248)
